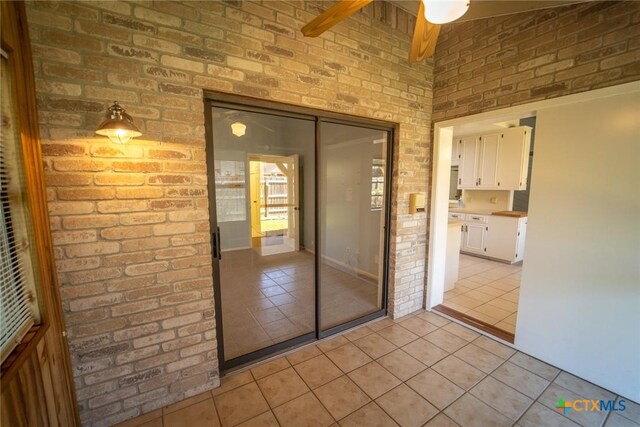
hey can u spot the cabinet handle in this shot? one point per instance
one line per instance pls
(462, 228)
(498, 183)
(479, 181)
(459, 180)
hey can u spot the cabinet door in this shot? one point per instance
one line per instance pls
(522, 234)
(474, 237)
(488, 164)
(513, 158)
(467, 176)
(455, 152)
(502, 238)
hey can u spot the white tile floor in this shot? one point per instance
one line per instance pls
(487, 290)
(419, 370)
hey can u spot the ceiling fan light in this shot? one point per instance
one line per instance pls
(238, 128)
(444, 11)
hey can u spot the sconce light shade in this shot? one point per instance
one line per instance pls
(238, 129)
(118, 125)
(444, 11)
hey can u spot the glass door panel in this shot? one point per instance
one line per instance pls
(263, 169)
(352, 217)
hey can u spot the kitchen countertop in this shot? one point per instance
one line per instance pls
(513, 214)
(472, 211)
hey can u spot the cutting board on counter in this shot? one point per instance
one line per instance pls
(513, 214)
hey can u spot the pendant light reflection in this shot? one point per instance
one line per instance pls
(444, 11)
(238, 129)
(118, 126)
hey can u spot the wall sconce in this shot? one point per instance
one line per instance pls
(444, 11)
(118, 125)
(238, 129)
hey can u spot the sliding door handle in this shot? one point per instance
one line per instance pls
(214, 244)
(218, 244)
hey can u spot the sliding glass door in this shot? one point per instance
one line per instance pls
(264, 225)
(351, 214)
(277, 180)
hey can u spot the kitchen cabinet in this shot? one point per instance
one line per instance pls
(493, 236)
(474, 233)
(505, 238)
(513, 158)
(478, 162)
(469, 153)
(494, 161)
(455, 152)
(474, 238)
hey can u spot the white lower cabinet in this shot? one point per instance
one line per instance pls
(474, 238)
(493, 236)
(505, 238)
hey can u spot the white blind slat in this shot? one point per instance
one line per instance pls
(17, 281)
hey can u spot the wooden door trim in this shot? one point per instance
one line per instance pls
(51, 330)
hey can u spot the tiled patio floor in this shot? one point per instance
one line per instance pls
(420, 370)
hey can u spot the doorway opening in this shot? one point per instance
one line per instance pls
(299, 212)
(274, 188)
(486, 167)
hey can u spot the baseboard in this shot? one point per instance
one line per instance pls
(348, 269)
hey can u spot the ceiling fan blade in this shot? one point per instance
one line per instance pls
(332, 16)
(425, 37)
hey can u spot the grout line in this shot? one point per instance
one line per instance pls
(536, 400)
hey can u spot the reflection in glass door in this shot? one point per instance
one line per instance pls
(274, 189)
(276, 285)
(352, 218)
(265, 230)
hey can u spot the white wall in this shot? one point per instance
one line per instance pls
(580, 293)
(351, 236)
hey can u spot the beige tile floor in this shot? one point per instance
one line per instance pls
(270, 299)
(420, 370)
(487, 290)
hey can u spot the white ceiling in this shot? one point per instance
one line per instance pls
(479, 9)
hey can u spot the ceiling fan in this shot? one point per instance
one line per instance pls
(438, 12)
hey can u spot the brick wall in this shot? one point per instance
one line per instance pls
(130, 222)
(495, 63)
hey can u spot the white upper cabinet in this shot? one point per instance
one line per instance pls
(455, 152)
(469, 153)
(513, 158)
(488, 161)
(495, 161)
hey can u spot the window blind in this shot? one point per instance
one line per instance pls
(18, 306)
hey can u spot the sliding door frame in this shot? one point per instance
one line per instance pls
(243, 103)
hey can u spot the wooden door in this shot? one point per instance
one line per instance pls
(37, 386)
